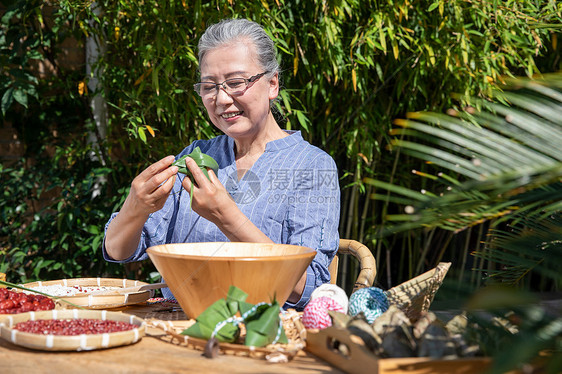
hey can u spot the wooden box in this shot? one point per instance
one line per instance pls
(358, 359)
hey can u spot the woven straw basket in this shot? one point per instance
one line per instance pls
(414, 297)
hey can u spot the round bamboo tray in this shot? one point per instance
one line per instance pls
(105, 301)
(84, 342)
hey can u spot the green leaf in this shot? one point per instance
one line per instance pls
(202, 160)
(96, 243)
(7, 17)
(142, 134)
(21, 97)
(263, 328)
(303, 120)
(218, 312)
(206, 322)
(286, 100)
(262, 321)
(433, 6)
(7, 99)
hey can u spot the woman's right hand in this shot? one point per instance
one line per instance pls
(150, 189)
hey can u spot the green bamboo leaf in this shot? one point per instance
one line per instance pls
(156, 81)
(402, 217)
(142, 135)
(380, 74)
(262, 321)
(433, 6)
(202, 160)
(8, 15)
(263, 328)
(303, 120)
(382, 40)
(206, 322)
(286, 100)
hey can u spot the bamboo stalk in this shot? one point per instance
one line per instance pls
(364, 214)
(444, 248)
(465, 253)
(425, 250)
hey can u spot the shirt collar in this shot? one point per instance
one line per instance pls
(293, 139)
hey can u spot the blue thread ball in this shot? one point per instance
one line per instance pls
(371, 301)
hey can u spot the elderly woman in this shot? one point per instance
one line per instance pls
(271, 186)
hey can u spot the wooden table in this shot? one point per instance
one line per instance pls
(154, 353)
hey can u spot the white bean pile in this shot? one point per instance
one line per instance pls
(60, 290)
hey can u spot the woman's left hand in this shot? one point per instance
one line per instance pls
(209, 197)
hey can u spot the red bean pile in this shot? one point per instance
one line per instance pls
(12, 302)
(72, 326)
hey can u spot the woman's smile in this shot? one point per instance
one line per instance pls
(231, 115)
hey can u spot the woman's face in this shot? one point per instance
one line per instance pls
(238, 116)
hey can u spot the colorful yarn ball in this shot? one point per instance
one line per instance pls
(371, 301)
(333, 292)
(315, 315)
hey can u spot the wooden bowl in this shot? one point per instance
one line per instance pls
(84, 342)
(199, 274)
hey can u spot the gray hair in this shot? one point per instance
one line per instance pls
(231, 30)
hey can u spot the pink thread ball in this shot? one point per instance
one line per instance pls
(315, 315)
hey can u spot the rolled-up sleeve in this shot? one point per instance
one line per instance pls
(313, 221)
(159, 225)
(154, 232)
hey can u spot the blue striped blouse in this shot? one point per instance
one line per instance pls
(291, 194)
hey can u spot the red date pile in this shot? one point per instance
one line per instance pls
(12, 302)
(77, 326)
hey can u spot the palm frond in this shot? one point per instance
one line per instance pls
(523, 248)
(503, 159)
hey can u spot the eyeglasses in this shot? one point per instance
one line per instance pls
(233, 86)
